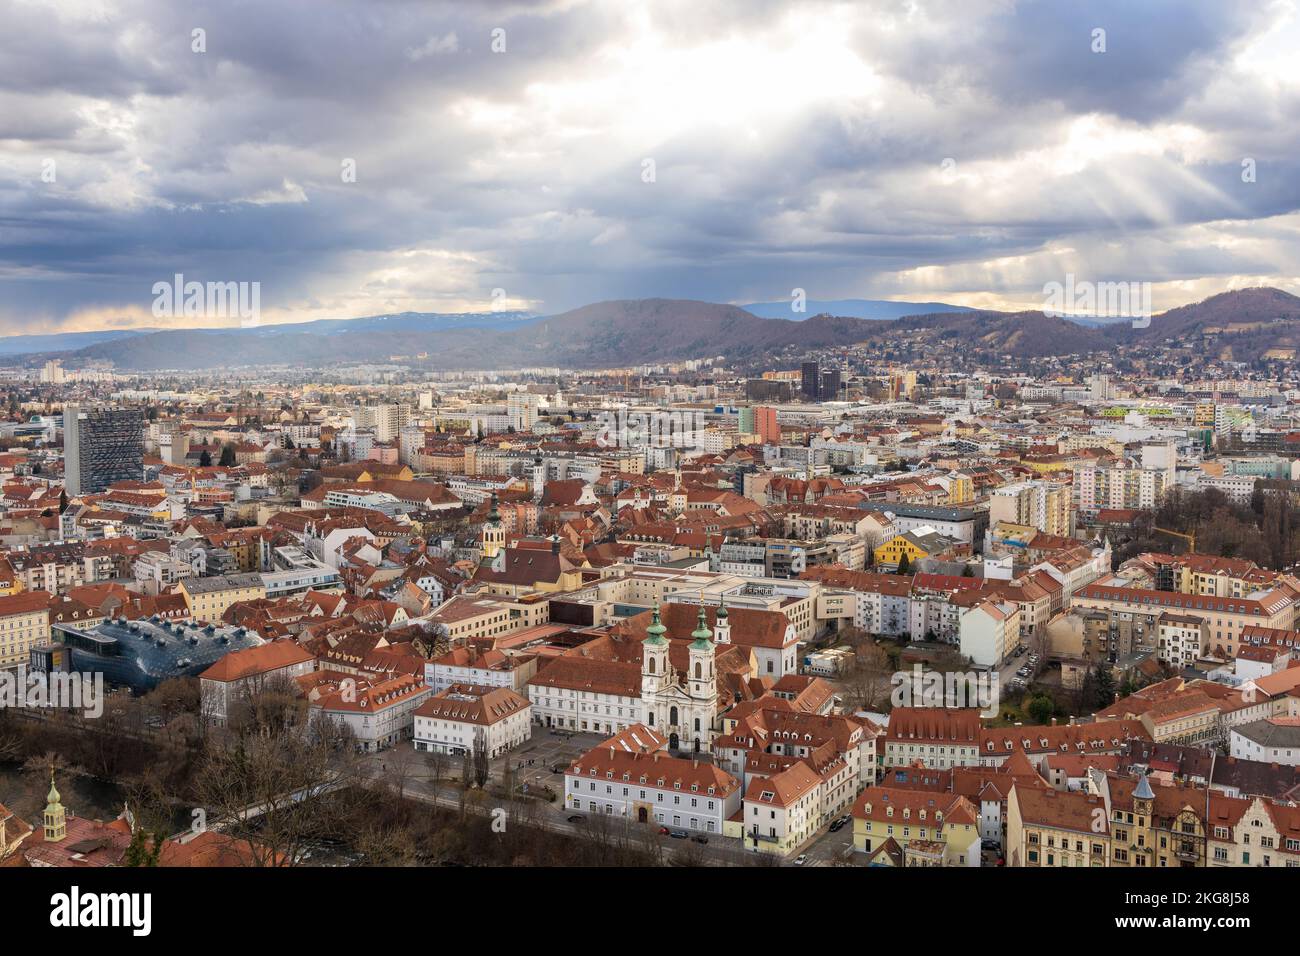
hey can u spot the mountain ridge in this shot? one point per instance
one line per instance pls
(874, 309)
(630, 332)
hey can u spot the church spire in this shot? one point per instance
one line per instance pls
(703, 636)
(654, 634)
(56, 820)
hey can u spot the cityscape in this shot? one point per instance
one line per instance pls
(770, 438)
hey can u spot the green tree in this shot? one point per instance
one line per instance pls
(228, 456)
(205, 459)
(1104, 691)
(1041, 707)
(904, 564)
(145, 848)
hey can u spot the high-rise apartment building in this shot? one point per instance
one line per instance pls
(101, 446)
(830, 385)
(1044, 505)
(811, 381)
(386, 421)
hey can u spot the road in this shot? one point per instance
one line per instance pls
(1007, 672)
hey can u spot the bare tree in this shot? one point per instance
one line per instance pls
(399, 764)
(273, 792)
(868, 679)
(436, 761)
(385, 844)
(267, 706)
(689, 853)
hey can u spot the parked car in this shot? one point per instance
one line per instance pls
(700, 838)
(801, 859)
(836, 826)
(678, 834)
(576, 818)
(663, 831)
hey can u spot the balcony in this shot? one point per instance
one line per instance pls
(1187, 852)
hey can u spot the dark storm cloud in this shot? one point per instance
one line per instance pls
(793, 145)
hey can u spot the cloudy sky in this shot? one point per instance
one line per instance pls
(967, 151)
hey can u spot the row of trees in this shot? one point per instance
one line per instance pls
(227, 459)
(1262, 531)
(283, 785)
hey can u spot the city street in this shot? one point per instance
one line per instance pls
(830, 849)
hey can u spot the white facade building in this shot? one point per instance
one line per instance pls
(468, 716)
(632, 775)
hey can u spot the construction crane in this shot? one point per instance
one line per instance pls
(1189, 537)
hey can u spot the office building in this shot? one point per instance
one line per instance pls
(811, 381)
(101, 446)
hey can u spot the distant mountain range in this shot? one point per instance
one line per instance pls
(1244, 324)
(393, 322)
(61, 341)
(878, 309)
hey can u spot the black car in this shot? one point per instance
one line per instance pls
(577, 818)
(678, 834)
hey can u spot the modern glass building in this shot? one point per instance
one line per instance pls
(101, 446)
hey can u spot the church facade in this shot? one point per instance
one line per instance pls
(681, 706)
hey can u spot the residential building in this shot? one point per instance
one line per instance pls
(469, 718)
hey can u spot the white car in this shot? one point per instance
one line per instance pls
(801, 859)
